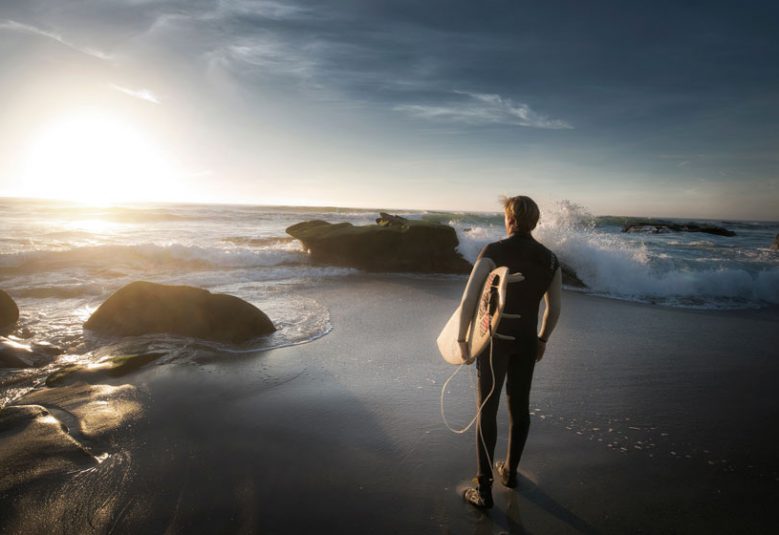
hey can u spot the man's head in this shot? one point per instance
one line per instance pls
(521, 214)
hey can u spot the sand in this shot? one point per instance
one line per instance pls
(646, 420)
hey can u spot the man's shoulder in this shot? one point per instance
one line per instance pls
(554, 263)
(495, 248)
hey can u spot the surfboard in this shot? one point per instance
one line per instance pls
(484, 322)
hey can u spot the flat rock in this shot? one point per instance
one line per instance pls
(145, 308)
(89, 411)
(52, 434)
(35, 444)
(104, 369)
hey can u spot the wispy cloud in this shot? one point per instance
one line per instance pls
(143, 94)
(262, 8)
(484, 109)
(12, 25)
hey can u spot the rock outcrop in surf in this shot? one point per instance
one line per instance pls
(570, 278)
(775, 245)
(146, 308)
(393, 244)
(9, 312)
(660, 227)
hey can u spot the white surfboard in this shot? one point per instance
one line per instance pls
(485, 320)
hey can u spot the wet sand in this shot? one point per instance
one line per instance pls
(646, 420)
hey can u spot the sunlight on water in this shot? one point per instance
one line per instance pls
(61, 261)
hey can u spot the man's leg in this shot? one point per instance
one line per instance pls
(520, 376)
(486, 425)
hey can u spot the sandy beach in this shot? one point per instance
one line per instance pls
(646, 420)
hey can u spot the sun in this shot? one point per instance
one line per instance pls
(95, 157)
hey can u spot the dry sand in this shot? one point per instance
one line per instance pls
(646, 420)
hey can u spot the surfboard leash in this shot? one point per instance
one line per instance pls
(479, 408)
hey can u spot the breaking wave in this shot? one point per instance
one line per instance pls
(688, 270)
(151, 256)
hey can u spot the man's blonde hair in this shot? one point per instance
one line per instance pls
(523, 210)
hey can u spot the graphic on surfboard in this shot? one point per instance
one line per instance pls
(484, 322)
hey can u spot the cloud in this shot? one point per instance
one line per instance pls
(143, 94)
(262, 8)
(26, 28)
(480, 109)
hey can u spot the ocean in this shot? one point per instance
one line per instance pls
(60, 261)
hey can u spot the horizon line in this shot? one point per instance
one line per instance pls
(113, 204)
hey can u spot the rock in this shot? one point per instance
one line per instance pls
(37, 446)
(51, 434)
(397, 245)
(91, 409)
(386, 219)
(570, 278)
(9, 312)
(145, 308)
(393, 244)
(775, 245)
(15, 354)
(98, 372)
(660, 227)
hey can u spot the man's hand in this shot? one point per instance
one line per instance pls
(541, 350)
(516, 277)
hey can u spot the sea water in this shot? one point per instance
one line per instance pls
(59, 261)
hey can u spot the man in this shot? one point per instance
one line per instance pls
(511, 359)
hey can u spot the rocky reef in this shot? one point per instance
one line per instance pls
(393, 244)
(661, 227)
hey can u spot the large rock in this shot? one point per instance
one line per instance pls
(660, 227)
(9, 312)
(145, 308)
(394, 245)
(775, 245)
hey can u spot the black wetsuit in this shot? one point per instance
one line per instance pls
(513, 360)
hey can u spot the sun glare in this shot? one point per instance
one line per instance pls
(96, 158)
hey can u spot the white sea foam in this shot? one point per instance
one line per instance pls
(679, 271)
(150, 256)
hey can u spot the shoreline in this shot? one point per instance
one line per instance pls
(344, 432)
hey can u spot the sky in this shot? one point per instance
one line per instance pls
(626, 108)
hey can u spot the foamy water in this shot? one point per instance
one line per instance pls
(61, 261)
(675, 269)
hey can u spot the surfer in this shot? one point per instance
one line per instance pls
(511, 360)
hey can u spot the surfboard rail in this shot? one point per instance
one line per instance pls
(484, 321)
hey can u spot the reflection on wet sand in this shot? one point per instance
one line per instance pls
(57, 443)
